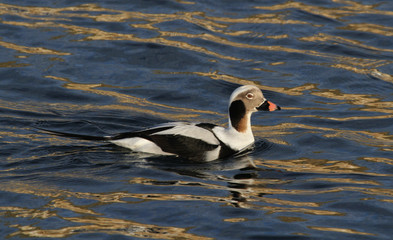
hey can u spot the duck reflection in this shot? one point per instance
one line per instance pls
(248, 186)
(237, 173)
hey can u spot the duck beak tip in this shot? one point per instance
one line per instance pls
(268, 106)
(273, 107)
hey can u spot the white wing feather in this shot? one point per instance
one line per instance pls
(189, 130)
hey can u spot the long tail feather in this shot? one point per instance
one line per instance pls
(77, 136)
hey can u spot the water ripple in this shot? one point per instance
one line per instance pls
(321, 168)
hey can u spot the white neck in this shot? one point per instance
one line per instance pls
(247, 124)
(235, 139)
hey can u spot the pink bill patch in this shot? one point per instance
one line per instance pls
(272, 106)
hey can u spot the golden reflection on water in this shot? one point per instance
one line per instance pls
(381, 140)
(12, 64)
(368, 102)
(108, 226)
(347, 180)
(318, 166)
(32, 50)
(241, 81)
(376, 139)
(323, 37)
(48, 17)
(371, 28)
(90, 220)
(350, 8)
(341, 230)
(379, 160)
(259, 193)
(135, 104)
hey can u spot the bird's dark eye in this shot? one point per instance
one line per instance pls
(250, 96)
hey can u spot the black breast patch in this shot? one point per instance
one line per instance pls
(225, 151)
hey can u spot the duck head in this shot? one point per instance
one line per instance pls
(243, 102)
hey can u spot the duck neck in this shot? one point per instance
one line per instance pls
(239, 118)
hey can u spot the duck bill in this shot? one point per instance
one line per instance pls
(268, 106)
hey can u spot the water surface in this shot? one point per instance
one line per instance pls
(324, 163)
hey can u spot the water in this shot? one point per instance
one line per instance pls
(324, 163)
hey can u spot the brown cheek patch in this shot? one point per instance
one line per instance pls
(242, 125)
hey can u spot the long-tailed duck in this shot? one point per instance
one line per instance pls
(197, 141)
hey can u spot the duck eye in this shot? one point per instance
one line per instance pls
(250, 96)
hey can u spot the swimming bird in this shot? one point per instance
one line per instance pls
(196, 141)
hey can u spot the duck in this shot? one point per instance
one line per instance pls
(202, 142)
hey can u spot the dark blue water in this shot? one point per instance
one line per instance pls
(324, 163)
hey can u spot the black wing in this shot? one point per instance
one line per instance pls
(183, 146)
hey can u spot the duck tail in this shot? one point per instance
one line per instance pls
(74, 135)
